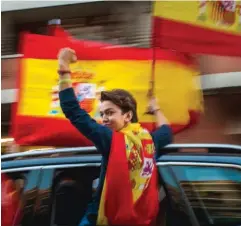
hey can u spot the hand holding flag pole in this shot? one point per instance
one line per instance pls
(150, 93)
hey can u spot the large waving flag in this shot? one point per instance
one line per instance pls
(38, 119)
(206, 27)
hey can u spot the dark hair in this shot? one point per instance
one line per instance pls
(123, 99)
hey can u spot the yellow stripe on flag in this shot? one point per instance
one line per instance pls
(176, 87)
(220, 16)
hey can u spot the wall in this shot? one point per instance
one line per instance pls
(219, 64)
(9, 72)
(8, 38)
(213, 125)
(106, 21)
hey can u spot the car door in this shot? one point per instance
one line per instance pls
(202, 188)
(25, 184)
(65, 190)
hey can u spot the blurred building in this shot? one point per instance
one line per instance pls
(125, 23)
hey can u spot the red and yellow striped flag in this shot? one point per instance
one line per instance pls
(133, 151)
(206, 27)
(38, 119)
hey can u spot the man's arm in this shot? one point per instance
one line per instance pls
(162, 136)
(100, 135)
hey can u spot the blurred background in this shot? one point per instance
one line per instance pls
(124, 23)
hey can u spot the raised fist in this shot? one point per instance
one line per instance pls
(66, 56)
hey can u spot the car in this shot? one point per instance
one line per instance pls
(200, 184)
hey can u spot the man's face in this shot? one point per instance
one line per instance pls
(113, 117)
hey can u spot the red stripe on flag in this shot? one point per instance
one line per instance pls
(35, 47)
(188, 38)
(40, 131)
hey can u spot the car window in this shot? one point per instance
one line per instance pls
(69, 191)
(20, 193)
(173, 208)
(65, 194)
(214, 193)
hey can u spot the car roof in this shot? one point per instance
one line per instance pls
(90, 156)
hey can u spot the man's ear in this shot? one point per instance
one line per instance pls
(129, 116)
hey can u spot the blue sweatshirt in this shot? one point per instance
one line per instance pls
(101, 136)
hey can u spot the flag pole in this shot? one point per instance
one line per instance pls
(151, 90)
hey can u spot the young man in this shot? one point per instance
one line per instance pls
(130, 178)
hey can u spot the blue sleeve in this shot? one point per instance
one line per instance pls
(100, 135)
(162, 137)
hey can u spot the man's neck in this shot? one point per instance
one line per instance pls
(127, 124)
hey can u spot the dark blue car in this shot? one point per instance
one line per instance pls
(200, 184)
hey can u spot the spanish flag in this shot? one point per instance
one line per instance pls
(38, 119)
(133, 199)
(204, 27)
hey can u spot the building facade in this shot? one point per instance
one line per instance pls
(124, 23)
